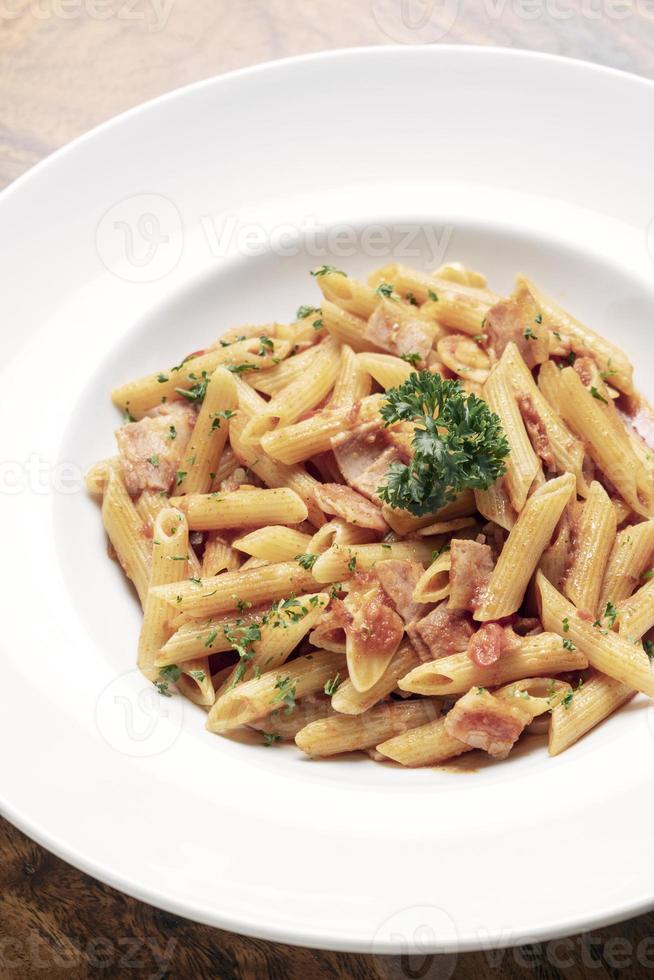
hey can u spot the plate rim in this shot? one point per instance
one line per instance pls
(34, 827)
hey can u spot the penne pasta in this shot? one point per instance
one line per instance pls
(246, 507)
(524, 547)
(277, 690)
(591, 703)
(350, 733)
(593, 541)
(528, 656)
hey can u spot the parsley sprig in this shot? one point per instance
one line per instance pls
(458, 442)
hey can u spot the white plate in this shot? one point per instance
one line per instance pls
(510, 162)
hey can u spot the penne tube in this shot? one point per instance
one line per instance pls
(278, 726)
(590, 704)
(300, 397)
(352, 381)
(200, 464)
(344, 327)
(593, 540)
(340, 562)
(224, 592)
(431, 744)
(523, 548)
(282, 628)
(126, 533)
(350, 733)
(636, 613)
(434, 584)
(276, 474)
(387, 370)
(219, 556)
(567, 452)
(277, 690)
(169, 565)
(528, 656)
(583, 340)
(202, 637)
(302, 440)
(632, 555)
(403, 522)
(456, 306)
(286, 372)
(338, 532)
(348, 701)
(446, 527)
(98, 476)
(606, 651)
(494, 505)
(522, 464)
(356, 298)
(246, 507)
(274, 543)
(139, 396)
(196, 684)
(596, 421)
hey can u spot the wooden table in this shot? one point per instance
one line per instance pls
(66, 65)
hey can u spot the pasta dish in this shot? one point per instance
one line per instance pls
(416, 521)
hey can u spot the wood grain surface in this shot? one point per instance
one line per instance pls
(67, 65)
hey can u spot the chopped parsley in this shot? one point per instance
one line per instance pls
(153, 461)
(332, 685)
(265, 346)
(566, 624)
(410, 298)
(413, 358)
(432, 295)
(269, 738)
(180, 477)
(172, 673)
(325, 270)
(610, 614)
(458, 443)
(162, 378)
(172, 433)
(529, 334)
(241, 636)
(225, 414)
(211, 638)
(352, 564)
(286, 687)
(241, 368)
(198, 389)
(569, 645)
(538, 318)
(386, 291)
(307, 560)
(595, 393)
(304, 311)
